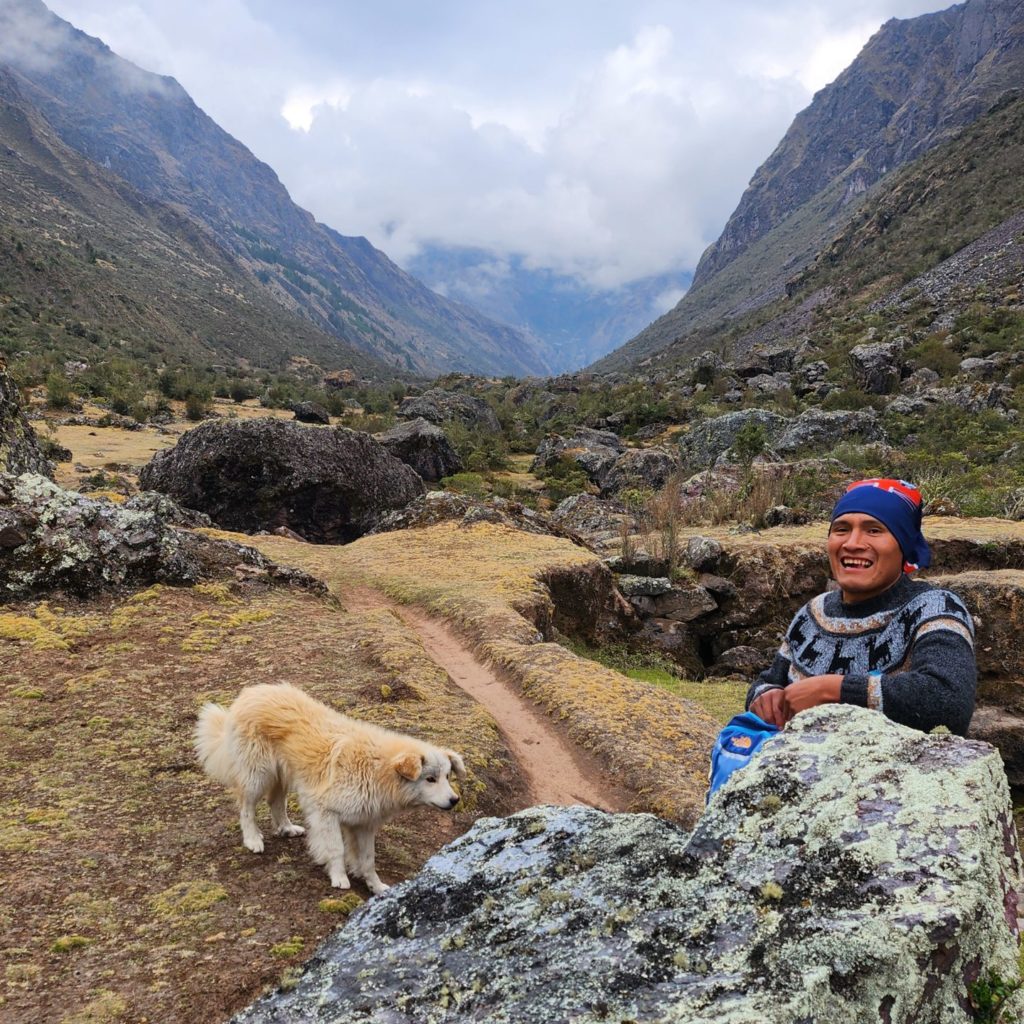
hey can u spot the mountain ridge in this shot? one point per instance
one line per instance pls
(147, 129)
(915, 84)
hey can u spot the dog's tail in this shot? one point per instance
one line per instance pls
(211, 745)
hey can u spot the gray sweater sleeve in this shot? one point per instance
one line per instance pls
(774, 677)
(937, 689)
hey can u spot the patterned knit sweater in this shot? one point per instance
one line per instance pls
(908, 653)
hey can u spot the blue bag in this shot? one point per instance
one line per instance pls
(737, 743)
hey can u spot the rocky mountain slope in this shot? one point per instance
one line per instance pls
(88, 265)
(147, 130)
(916, 84)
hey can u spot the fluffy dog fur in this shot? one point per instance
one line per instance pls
(350, 776)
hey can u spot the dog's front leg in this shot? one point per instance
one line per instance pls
(326, 845)
(365, 858)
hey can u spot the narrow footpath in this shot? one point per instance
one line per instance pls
(555, 771)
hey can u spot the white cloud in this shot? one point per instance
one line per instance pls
(608, 140)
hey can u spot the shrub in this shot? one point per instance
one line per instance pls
(58, 390)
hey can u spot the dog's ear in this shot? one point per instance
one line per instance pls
(409, 765)
(458, 765)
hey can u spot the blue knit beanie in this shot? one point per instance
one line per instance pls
(897, 505)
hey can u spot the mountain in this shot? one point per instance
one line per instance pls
(915, 84)
(146, 129)
(571, 323)
(90, 266)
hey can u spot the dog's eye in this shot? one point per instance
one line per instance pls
(430, 778)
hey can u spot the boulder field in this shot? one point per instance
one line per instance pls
(856, 871)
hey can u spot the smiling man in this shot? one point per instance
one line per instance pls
(881, 640)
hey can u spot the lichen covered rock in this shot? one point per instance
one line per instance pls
(857, 871)
(20, 451)
(423, 446)
(52, 539)
(327, 485)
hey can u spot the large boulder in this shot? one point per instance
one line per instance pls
(710, 439)
(57, 540)
(646, 469)
(19, 446)
(328, 485)
(855, 871)
(821, 428)
(878, 366)
(438, 406)
(424, 446)
(594, 451)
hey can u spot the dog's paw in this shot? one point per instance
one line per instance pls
(290, 831)
(379, 888)
(254, 843)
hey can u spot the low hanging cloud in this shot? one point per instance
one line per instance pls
(607, 142)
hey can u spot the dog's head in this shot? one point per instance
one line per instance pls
(426, 776)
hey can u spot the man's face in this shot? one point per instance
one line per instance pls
(865, 557)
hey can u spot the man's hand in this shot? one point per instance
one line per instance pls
(769, 707)
(809, 693)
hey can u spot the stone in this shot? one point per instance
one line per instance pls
(703, 553)
(820, 428)
(311, 412)
(643, 586)
(979, 369)
(594, 451)
(855, 871)
(684, 603)
(706, 441)
(770, 383)
(81, 546)
(741, 661)
(423, 446)
(439, 406)
(20, 450)
(328, 485)
(878, 366)
(706, 367)
(647, 469)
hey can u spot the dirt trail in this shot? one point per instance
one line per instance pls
(555, 771)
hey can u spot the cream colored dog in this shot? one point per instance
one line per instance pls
(350, 776)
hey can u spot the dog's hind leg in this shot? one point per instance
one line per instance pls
(364, 858)
(278, 800)
(326, 845)
(252, 837)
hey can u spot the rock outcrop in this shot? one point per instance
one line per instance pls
(57, 540)
(329, 486)
(438, 407)
(19, 446)
(855, 871)
(424, 446)
(594, 451)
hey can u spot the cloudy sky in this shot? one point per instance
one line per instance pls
(604, 139)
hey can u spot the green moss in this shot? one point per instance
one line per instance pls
(771, 891)
(340, 904)
(66, 943)
(290, 947)
(187, 899)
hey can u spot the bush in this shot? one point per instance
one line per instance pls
(197, 405)
(58, 390)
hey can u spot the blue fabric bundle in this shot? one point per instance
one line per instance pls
(737, 743)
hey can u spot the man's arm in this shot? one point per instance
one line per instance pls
(937, 689)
